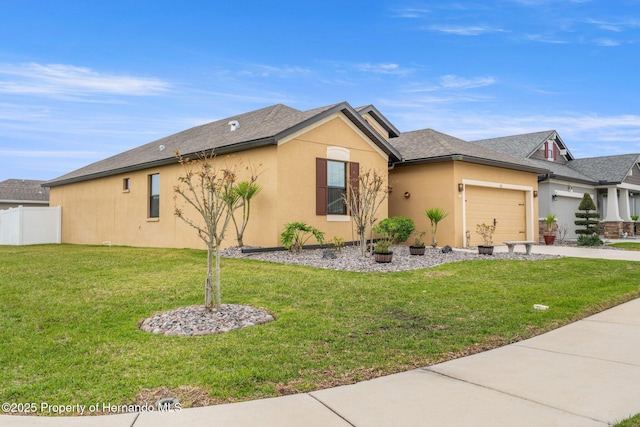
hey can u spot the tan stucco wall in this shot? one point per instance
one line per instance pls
(99, 211)
(435, 185)
(296, 172)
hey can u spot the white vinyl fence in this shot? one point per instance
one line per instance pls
(31, 225)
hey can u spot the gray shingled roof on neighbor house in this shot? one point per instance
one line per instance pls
(257, 128)
(23, 190)
(428, 145)
(564, 171)
(606, 169)
(522, 146)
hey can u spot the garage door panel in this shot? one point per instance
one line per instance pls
(506, 207)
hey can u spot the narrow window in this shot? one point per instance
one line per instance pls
(154, 195)
(126, 184)
(550, 150)
(337, 187)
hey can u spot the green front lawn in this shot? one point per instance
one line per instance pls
(630, 422)
(629, 246)
(69, 316)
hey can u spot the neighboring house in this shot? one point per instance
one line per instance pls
(306, 158)
(23, 192)
(612, 181)
(473, 184)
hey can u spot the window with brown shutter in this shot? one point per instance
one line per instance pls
(331, 185)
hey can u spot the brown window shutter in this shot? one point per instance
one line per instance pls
(354, 175)
(322, 191)
(555, 152)
(354, 181)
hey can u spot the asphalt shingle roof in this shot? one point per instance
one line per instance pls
(428, 144)
(606, 169)
(593, 170)
(521, 146)
(24, 190)
(260, 127)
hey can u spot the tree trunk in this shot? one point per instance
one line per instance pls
(218, 298)
(208, 287)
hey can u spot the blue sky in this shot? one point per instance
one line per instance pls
(84, 80)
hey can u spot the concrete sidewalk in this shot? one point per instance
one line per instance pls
(583, 374)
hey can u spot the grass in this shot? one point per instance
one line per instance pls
(629, 246)
(69, 316)
(630, 422)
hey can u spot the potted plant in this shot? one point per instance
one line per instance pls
(435, 215)
(550, 234)
(382, 251)
(418, 247)
(486, 232)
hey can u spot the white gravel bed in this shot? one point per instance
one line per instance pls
(349, 258)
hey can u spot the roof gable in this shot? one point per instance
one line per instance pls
(382, 121)
(523, 145)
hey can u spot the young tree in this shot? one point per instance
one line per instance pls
(364, 196)
(242, 194)
(587, 218)
(208, 189)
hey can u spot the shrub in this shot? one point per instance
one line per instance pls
(296, 234)
(588, 218)
(397, 228)
(589, 240)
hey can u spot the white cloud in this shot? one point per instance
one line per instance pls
(72, 81)
(384, 68)
(451, 81)
(542, 38)
(469, 30)
(409, 12)
(261, 70)
(607, 42)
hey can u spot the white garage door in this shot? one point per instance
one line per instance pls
(504, 208)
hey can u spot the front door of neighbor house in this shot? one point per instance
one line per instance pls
(504, 208)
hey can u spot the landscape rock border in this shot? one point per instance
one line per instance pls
(195, 320)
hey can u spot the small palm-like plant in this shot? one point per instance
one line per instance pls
(435, 215)
(242, 194)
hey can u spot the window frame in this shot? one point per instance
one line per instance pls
(153, 206)
(341, 189)
(352, 171)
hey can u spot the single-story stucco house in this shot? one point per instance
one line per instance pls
(612, 181)
(306, 159)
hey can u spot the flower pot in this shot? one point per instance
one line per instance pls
(549, 239)
(383, 257)
(485, 250)
(417, 250)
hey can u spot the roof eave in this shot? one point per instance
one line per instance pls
(472, 159)
(229, 149)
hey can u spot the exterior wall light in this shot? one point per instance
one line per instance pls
(535, 193)
(460, 187)
(407, 194)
